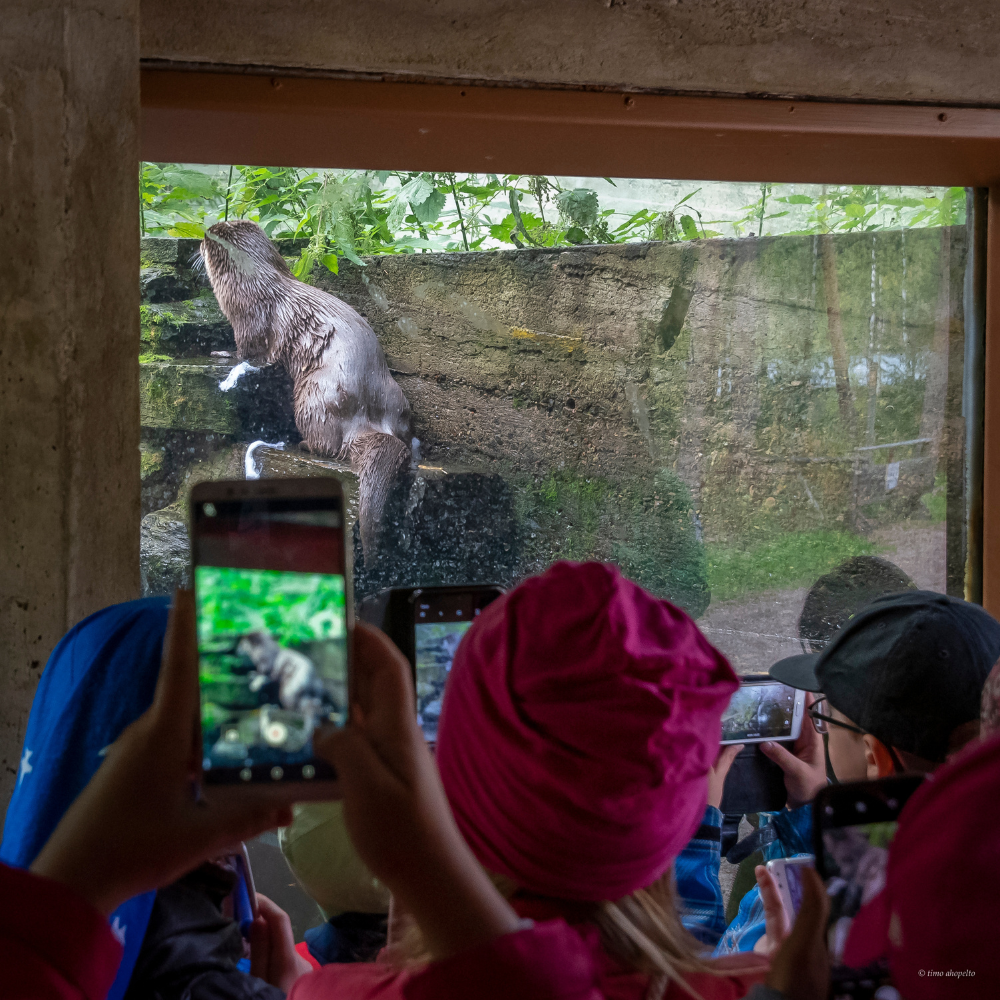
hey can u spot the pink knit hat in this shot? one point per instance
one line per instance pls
(580, 720)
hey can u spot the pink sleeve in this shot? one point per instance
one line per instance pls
(53, 945)
(548, 961)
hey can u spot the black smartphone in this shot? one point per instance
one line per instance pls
(427, 624)
(273, 600)
(853, 827)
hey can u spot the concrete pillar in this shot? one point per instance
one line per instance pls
(69, 333)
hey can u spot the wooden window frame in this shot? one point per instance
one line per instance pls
(227, 117)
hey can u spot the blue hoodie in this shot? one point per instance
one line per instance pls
(99, 679)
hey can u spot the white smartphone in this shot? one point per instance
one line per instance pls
(273, 596)
(787, 874)
(763, 710)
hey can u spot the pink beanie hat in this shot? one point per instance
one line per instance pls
(580, 721)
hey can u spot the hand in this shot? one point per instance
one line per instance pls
(717, 776)
(800, 968)
(137, 825)
(805, 766)
(396, 811)
(777, 920)
(273, 957)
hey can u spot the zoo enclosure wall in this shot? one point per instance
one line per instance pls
(287, 120)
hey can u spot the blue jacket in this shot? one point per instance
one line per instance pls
(697, 872)
(99, 679)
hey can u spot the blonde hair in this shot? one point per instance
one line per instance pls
(643, 932)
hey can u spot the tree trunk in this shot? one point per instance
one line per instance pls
(932, 419)
(838, 346)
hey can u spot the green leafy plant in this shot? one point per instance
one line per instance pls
(337, 215)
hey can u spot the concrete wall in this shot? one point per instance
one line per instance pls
(69, 305)
(896, 50)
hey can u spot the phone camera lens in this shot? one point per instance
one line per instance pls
(277, 774)
(308, 772)
(828, 810)
(246, 774)
(892, 803)
(208, 510)
(861, 807)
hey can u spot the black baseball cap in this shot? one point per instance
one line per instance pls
(908, 668)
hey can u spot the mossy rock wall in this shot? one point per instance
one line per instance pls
(626, 401)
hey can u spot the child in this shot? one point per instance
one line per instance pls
(580, 722)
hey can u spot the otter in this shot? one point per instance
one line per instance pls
(345, 401)
(299, 686)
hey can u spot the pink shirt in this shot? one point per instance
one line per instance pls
(549, 961)
(53, 945)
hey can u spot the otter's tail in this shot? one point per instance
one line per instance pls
(377, 459)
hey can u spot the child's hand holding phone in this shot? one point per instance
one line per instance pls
(138, 824)
(396, 810)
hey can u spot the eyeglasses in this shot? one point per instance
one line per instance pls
(822, 720)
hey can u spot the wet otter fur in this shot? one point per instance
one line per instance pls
(346, 402)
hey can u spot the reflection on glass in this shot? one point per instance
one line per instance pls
(731, 390)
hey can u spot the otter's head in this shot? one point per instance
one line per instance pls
(259, 646)
(241, 262)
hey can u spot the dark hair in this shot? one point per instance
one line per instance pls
(836, 596)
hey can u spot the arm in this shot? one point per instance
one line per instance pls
(697, 872)
(396, 810)
(138, 824)
(697, 867)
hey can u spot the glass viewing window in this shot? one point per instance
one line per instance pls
(727, 389)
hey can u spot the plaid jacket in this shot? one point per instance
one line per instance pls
(697, 873)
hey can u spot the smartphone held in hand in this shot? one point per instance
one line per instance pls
(273, 600)
(763, 710)
(427, 624)
(853, 827)
(787, 874)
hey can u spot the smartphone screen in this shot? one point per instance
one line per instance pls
(762, 710)
(787, 874)
(270, 590)
(440, 619)
(856, 826)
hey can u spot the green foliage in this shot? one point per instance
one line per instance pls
(787, 560)
(645, 528)
(353, 214)
(579, 206)
(293, 608)
(865, 207)
(936, 501)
